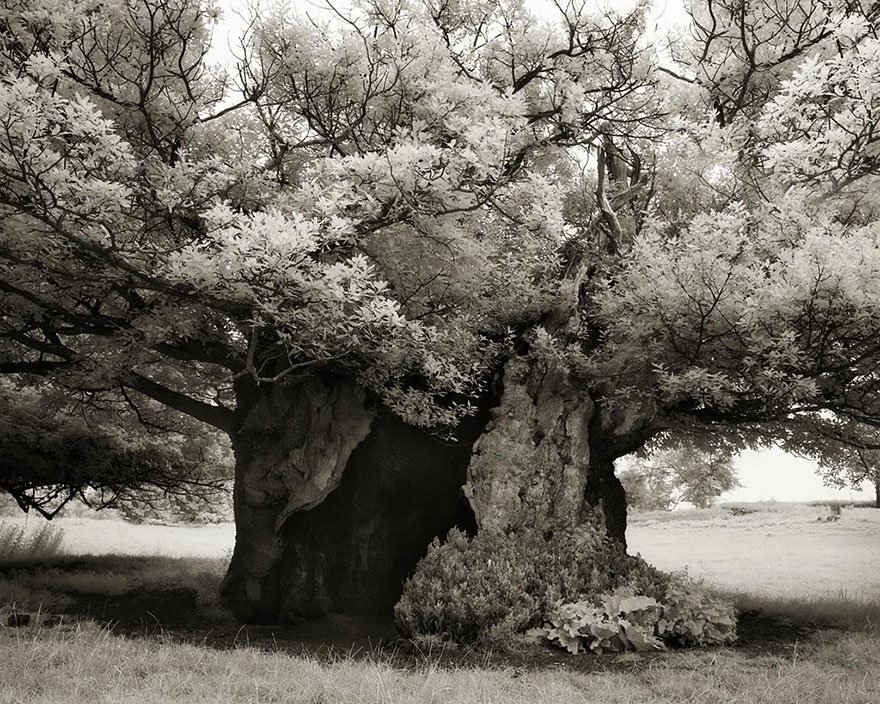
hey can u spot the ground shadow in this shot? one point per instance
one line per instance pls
(180, 614)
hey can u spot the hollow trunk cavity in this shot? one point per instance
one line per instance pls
(336, 502)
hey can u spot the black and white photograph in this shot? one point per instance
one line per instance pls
(439, 351)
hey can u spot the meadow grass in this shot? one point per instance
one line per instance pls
(778, 553)
(41, 583)
(102, 535)
(836, 662)
(83, 664)
(23, 540)
(840, 611)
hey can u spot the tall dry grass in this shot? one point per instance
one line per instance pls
(33, 541)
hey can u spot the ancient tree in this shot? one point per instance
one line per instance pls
(432, 263)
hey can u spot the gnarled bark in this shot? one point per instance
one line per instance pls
(530, 466)
(335, 503)
(291, 449)
(547, 456)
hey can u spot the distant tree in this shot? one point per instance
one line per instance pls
(846, 449)
(669, 477)
(54, 450)
(852, 469)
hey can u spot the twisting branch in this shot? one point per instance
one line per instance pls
(614, 231)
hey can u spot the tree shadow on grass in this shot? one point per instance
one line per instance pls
(173, 600)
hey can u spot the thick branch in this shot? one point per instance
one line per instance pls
(39, 367)
(611, 220)
(218, 416)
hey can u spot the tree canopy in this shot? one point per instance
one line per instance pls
(851, 467)
(410, 193)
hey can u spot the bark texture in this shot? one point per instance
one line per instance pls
(616, 429)
(291, 450)
(605, 494)
(530, 466)
(547, 456)
(335, 502)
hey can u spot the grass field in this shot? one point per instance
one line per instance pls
(97, 536)
(780, 551)
(147, 629)
(85, 664)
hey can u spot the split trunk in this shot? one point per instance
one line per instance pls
(336, 499)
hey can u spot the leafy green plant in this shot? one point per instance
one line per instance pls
(470, 591)
(621, 621)
(491, 589)
(624, 620)
(693, 616)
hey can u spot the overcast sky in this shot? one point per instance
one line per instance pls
(776, 475)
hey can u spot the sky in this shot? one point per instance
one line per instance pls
(765, 475)
(665, 14)
(775, 475)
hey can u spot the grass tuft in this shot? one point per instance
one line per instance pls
(853, 612)
(21, 541)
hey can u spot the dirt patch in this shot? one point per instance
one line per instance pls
(766, 633)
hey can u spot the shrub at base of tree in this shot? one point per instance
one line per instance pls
(495, 589)
(625, 620)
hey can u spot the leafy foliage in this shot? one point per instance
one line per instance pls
(851, 468)
(105, 457)
(624, 620)
(848, 454)
(493, 587)
(692, 616)
(398, 191)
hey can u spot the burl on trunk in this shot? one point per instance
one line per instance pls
(336, 499)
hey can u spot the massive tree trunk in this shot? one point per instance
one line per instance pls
(547, 456)
(336, 500)
(530, 466)
(291, 449)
